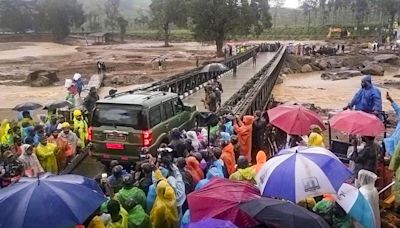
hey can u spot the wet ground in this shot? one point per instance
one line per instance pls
(310, 88)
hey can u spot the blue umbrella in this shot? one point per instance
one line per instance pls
(301, 172)
(354, 203)
(49, 201)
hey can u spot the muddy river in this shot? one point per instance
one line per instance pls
(310, 88)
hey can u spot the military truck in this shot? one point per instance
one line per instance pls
(124, 123)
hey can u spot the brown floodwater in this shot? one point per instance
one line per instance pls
(310, 88)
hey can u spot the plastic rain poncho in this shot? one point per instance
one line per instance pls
(164, 213)
(392, 141)
(366, 180)
(244, 132)
(213, 172)
(47, 157)
(395, 167)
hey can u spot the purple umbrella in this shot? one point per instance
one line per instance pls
(211, 223)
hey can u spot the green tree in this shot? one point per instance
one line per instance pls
(58, 16)
(122, 23)
(112, 14)
(277, 4)
(218, 19)
(391, 8)
(309, 6)
(167, 12)
(16, 15)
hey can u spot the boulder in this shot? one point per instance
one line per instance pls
(373, 69)
(41, 81)
(387, 58)
(306, 68)
(341, 75)
(322, 64)
(334, 63)
(279, 80)
(286, 70)
(42, 78)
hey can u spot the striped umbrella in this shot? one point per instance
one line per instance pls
(354, 203)
(300, 172)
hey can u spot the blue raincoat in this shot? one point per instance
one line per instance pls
(392, 141)
(213, 172)
(367, 99)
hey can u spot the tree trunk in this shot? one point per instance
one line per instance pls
(219, 42)
(166, 35)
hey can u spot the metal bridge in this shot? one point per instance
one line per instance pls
(246, 91)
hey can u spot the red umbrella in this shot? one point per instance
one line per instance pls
(294, 119)
(220, 199)
(357, 123)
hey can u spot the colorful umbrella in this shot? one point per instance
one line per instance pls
(211, 223)
(220, 199)
(357, 123)
(294, 119)
(301, 172)
(354, 203)
(279, 213)
(49, 201)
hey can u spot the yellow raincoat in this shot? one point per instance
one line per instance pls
(395, 167)
(81, 130)
(3, 127)
(164, 213)
(47, 157)
(123, 223)
(315, 140)
(4, 135)
(247, 174)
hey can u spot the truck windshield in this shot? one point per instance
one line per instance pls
(119, 115)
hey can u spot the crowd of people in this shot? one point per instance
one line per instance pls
(29, 149)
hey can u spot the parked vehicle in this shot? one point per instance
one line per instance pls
(124, 123)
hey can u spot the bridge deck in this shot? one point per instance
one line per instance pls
(231, 84)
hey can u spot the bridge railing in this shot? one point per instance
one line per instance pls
(189, 80)
(254, 95)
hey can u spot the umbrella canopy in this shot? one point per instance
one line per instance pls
(354, 203)
(211, 223)
(301, 172)
(357, 123)
(294, 119)
(49, 201)
(282, 213)
(28, 106)
(58, 104)
(220, 199)
(214, 67)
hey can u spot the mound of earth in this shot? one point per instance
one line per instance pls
(41, 78)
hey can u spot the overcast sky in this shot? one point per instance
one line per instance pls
(291, 3)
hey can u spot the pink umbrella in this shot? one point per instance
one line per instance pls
(294, 119)
(357, 123)
(220, 199)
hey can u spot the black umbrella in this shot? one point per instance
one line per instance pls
(282, 214)
(214, 67)
(28, 106)
(58, 104)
